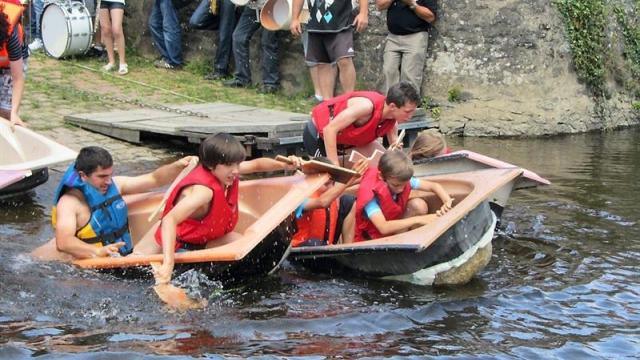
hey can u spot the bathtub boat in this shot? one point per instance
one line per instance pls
(8, 177)
(27, 151)
(465, 160)
(451, 250)
(266, 219)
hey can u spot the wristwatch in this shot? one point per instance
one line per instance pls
(413, 6)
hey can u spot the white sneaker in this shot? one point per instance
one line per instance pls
(35, 45)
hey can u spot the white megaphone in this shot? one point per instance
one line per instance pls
(277, 14)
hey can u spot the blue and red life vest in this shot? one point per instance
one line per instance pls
(108, 223)
(319, 224)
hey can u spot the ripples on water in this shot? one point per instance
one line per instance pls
(563, 282)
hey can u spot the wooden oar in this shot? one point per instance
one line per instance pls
(10, 137)
(175, 297)
(337, 173)
(377, 152)
(398, 141)
(192, 165)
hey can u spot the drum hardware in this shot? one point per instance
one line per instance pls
(66, 28)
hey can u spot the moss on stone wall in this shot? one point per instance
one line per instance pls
(585, 24)
(630, 27)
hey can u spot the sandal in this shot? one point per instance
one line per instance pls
(124, 69)
(108, 67)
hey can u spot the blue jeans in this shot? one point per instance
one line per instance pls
(225, 22)
(165, 31)
(37, 6)
(247, 26)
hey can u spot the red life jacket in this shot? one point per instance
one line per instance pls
(221, 218)
(353, 135)
(372, 186)
(317, 224)
(14, 12)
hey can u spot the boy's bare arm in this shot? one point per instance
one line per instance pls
(155, 179)
(66, 225)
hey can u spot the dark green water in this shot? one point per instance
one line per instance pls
(562, 283)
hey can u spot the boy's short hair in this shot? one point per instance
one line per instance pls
(428, 144)
(395, 164)
(221, 148)
(402, 93)
(92, 157)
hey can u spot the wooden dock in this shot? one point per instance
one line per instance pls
(262, 131)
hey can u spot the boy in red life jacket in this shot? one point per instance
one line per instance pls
(202, 209)
(322, 218)
(383, 207)
(356, 120)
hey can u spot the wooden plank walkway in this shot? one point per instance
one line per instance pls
(262, 130)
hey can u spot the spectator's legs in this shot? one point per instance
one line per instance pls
(326, 80)
(347, 74)
(37, 6)
(107, 34)
(246, 27)
(228, 21)
(270, 71)
(165, 31)
(117, 32)
(201, 18)
(391, 60)
(155, 26)
(413, 58)
(171, 32)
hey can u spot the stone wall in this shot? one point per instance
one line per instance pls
(508, 58)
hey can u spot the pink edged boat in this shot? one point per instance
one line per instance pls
(28, 152)
(465, 160)
(450, 250)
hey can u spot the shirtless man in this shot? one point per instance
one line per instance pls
(89, 215)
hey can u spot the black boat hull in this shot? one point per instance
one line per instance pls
(394, 260)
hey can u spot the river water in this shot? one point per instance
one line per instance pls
(562, 283)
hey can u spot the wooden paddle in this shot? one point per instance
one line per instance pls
(175, 297)
(337, 173)
(398, 143)
(376, 152)
(192, 165)
(10, 137)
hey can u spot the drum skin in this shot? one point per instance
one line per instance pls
(67, 29)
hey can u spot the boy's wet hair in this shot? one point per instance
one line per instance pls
(92, 157)
(428, 143)
(402, 93)
(395, 164)
(221, 148)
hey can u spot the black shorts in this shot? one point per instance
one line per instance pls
(328, 48)
(313, 144)
(111, 5)
(346, 203)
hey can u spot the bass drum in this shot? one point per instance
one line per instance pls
(67, 29)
